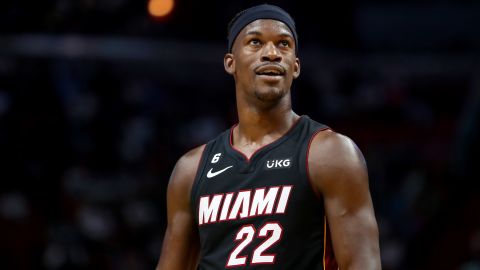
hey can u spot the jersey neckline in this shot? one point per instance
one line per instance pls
(242, 157)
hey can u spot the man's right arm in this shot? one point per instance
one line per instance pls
(181, 243)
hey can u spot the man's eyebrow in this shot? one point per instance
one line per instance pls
(286, 34)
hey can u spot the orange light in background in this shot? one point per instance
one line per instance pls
(160, 8)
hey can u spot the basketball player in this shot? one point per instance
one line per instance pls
(277, 190)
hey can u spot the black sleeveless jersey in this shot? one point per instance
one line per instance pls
(261, 213)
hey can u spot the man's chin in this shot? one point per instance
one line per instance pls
(270, 94)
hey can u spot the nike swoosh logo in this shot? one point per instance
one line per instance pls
(211, 174)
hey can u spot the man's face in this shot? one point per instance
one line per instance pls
(263, 60)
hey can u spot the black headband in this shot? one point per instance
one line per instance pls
(264, 11)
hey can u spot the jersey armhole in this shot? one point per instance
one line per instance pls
(198, 174)
(305, 160)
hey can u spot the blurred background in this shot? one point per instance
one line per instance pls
(98, 99)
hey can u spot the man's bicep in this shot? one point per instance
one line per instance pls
(339, 172)
(352, 223)
(180, 245)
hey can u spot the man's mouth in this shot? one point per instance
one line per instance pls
(270, 70)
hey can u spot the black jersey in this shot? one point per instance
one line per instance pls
(261, 213)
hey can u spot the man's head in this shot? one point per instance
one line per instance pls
(265, 11)
(262, 52)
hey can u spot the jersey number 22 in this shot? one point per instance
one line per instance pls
(272, 231)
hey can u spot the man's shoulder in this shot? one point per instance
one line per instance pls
(183, 174)
(331, 141)
(332, 149)
(191, 159)
(334, 159)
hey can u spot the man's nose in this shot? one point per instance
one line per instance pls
(270, 53)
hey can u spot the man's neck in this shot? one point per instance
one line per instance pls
(258, 127)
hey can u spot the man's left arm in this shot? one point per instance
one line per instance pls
(339, 174)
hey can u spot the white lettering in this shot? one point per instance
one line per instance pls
(278, 163)
(247, 203)
(208, 210)
(242, 200)
(269, 165)
(261, 204)
(282, 203)
(216, 157)
(226, 206)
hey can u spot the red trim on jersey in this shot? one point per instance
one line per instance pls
(198, 164)
(329, 261)
(247, 158)
(306, 161)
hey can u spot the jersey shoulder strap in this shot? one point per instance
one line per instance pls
(202, 164)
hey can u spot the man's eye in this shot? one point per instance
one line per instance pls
(285, 43)
(255, 42)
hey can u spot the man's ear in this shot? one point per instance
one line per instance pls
(296, 68)
(229, 63)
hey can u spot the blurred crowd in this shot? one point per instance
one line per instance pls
(87, 144)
